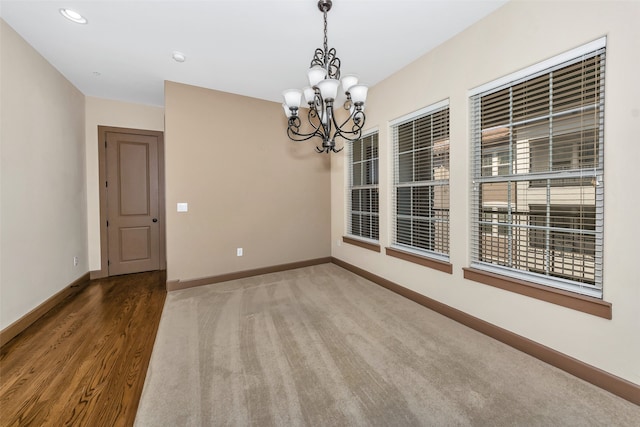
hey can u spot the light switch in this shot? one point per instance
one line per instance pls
(183, 207)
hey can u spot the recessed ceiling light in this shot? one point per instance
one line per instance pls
(74, 16)
(178, 56)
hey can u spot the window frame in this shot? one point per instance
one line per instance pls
(370, 239)
(403, 250)
(479, 165)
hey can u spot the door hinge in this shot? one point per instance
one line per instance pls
(106, 183)
(105, 143)
(108, 263)
(107, 223)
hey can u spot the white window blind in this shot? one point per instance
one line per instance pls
(362, 194)
(421, 182)
(537, 169)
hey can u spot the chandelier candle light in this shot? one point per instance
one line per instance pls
(324, 82)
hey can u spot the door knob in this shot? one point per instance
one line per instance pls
(155, 219)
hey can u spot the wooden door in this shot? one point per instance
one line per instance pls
(133, 208)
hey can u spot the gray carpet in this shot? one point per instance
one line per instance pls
(320, 346)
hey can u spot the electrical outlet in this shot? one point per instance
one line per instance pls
(75, 261)
(239, 251)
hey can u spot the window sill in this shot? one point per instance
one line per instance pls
(443, 266)
(585, 304)
(361, 243)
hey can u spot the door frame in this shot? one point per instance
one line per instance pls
(102, 173)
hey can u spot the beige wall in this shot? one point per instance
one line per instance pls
(43, 208)
(520, 34)
(104, 112)
(246, 184)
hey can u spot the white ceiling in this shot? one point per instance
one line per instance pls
(256, 48)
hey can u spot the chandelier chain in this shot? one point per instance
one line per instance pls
(326, 40)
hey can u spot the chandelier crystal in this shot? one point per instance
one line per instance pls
(320, 95)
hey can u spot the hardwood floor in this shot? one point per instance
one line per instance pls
(84, 363)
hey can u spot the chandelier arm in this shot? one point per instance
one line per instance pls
(318, 58)
(295, 135)
(311, 115)
(299, 137)
(351, 117)
(354, 134)
(318, 111)
(318, 129)
(354, 138)
(328, 60)
(332, 64)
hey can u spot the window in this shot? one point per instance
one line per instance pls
(421, 181)
(362, 200)
(537, 167)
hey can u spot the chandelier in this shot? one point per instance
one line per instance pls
(320, 95)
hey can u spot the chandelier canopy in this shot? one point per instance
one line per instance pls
(320, 95)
